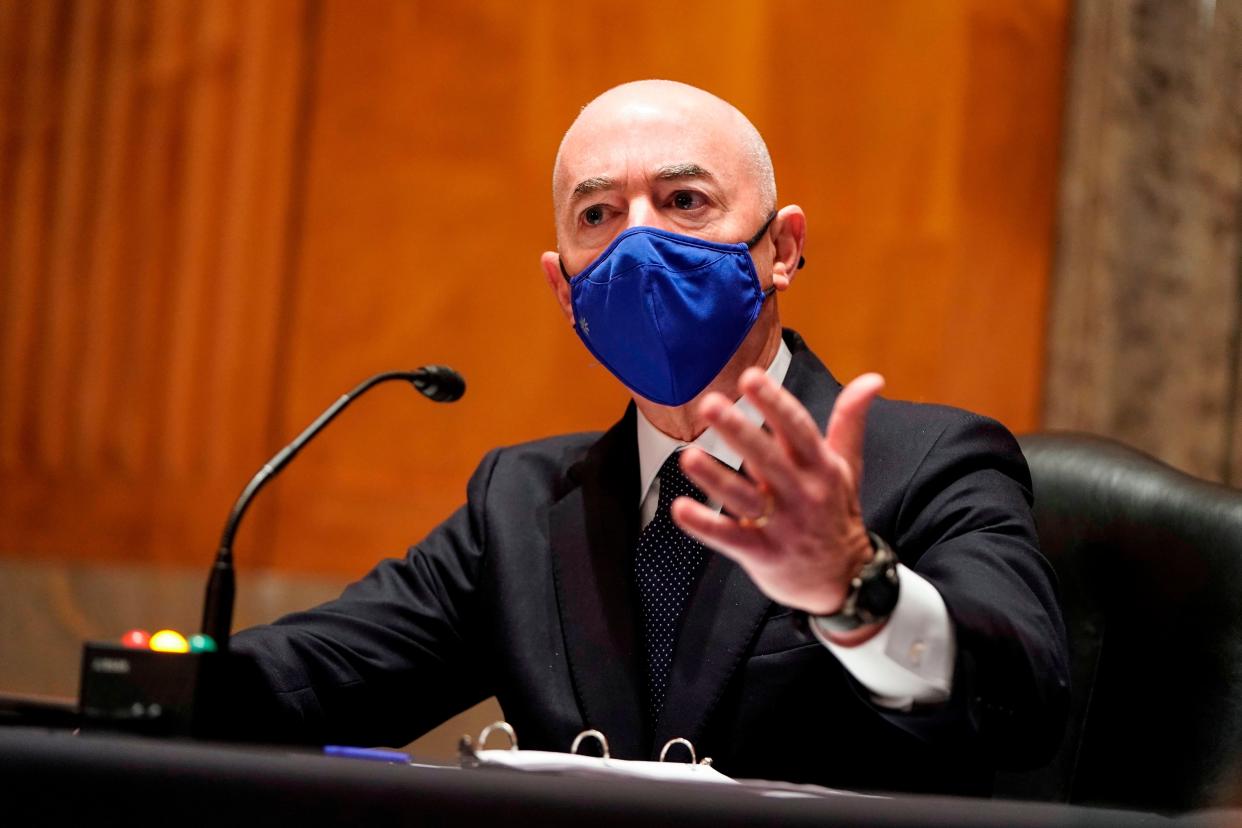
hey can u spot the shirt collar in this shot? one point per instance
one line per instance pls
(654, 446)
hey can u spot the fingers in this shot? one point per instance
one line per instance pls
(717, 531)
(736, 493)
(847, 425)
(763, 457)
(787, 417)
(788, 453)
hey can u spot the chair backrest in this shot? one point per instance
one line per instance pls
(1150, 567)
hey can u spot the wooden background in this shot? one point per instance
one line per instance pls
(217, 216)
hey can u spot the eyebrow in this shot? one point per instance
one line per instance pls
(592, 185)
(670, 172)
(687, 170)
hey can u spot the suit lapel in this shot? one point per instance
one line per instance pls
(726, 609)
(810, 381)
(593, 530)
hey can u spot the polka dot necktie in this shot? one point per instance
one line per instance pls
(666, 564)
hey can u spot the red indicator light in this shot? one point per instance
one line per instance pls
(136, 639)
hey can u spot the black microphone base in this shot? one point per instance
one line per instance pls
(153, 693)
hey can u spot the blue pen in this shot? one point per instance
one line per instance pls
(370, 754)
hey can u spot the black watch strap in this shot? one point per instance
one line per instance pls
(872, 596)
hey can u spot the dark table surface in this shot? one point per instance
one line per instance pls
(55, 777)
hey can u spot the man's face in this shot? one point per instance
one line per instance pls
(666, 155)
(657, 161)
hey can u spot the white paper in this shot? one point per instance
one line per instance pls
(550, 761)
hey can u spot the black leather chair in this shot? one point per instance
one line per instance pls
(1150, 568)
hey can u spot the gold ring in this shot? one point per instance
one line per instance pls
(769, 506)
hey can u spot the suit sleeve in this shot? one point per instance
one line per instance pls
(395, 655)
(965, 525)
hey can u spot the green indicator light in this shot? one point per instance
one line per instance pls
(202, 644)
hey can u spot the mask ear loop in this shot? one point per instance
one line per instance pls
(564, 272)
(770, 289)
(758, 237)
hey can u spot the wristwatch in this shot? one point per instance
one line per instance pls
(872, 596)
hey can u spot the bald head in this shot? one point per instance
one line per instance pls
(686, 123)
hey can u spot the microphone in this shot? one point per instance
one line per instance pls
(438, 383)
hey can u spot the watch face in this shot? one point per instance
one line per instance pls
(874, 596)
(878, 594)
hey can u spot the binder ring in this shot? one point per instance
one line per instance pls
(503, 727)
(599, 737)
(679, 741)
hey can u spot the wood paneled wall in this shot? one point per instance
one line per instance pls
(216, 217)
(150, 161)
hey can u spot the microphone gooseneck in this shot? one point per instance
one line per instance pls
(438, 383)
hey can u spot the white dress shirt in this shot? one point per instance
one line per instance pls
(911, 658)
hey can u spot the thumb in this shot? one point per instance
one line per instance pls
(848, 423)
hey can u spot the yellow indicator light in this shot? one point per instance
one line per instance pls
(169, 641)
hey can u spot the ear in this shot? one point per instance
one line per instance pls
(551, 263)
(788, 236)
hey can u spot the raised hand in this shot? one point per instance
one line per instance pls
(796, 526)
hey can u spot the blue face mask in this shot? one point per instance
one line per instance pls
(665, 312)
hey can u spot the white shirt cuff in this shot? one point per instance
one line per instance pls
(911, 658)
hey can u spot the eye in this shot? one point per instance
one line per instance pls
(688, 200)
(593, 215)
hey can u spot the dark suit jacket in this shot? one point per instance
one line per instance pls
(526, 593)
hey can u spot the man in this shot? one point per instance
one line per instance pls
(573, 584)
